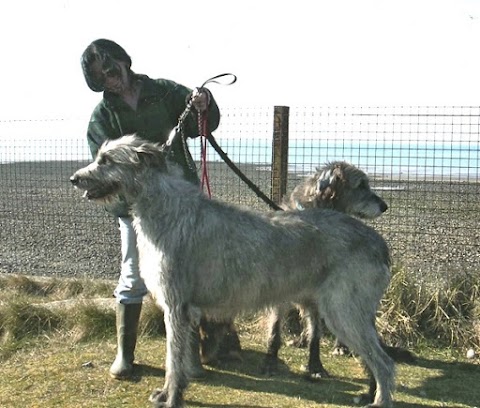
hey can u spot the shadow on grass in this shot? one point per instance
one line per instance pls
(332, 391)
(209, 405)
(447, 383)
(146, 370)
(246, 376)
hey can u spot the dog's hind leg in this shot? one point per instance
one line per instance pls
(361, 336)
(380, 368)
(179, 330)
(314, 367)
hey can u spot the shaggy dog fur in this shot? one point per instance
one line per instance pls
(201, 257)
(339, 186)
(342, 187)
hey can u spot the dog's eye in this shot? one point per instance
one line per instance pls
(103, 160)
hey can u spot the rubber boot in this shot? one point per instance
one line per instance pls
(127, 327)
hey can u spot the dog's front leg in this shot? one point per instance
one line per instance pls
(179, 331)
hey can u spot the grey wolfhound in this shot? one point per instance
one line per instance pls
(339, 186)
(201, 257)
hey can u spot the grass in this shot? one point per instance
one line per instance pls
(59, 356)
(447, 314)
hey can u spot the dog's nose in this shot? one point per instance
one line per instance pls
(74, 180)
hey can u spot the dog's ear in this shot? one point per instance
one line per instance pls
(325, 180)
(328, 178)
(327, 183)
(152, 155)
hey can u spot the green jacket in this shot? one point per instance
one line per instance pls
(160, 104)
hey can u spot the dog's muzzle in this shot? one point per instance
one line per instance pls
(74, 180)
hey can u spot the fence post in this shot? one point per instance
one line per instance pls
(279, 153)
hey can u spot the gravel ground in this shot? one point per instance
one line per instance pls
(47, 229)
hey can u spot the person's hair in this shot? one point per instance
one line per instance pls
(104, 51)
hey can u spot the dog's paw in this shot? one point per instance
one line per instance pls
(159, 399)
(365, 400)
(341, 351)
(315, 373)
(158, 396)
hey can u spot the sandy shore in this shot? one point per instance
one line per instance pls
(47, 229)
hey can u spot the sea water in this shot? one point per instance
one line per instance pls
(398, 154)
(429, 158)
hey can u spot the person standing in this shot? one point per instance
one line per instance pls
(150, 108)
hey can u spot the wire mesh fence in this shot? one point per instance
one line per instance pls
(423, 161)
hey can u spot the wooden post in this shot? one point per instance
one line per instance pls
(279, 153)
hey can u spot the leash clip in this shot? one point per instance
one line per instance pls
(173, 133)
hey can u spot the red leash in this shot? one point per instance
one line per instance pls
(203, 129)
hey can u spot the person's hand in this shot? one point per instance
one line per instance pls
(201, 99)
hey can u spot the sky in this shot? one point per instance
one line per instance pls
(294, 53)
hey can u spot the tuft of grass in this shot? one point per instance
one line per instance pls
(450, 312)
(86, 288)
(20, 319)
(151, 320)
(21, 322)
(54, 288)
(58, 374)
(398, 317)
(413, 311)
(24, 285)
(87, 321)
(26, 312)
(74, 342)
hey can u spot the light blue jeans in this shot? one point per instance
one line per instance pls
(130, 288)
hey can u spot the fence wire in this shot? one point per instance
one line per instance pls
(423, 161)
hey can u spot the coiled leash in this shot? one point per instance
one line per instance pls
(202, 118)
(206, 135)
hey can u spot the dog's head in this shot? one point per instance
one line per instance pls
(342, 187)
(118, 168)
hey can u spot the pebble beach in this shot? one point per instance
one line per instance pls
(47, 229)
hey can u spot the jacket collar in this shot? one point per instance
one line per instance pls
(147, 91)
